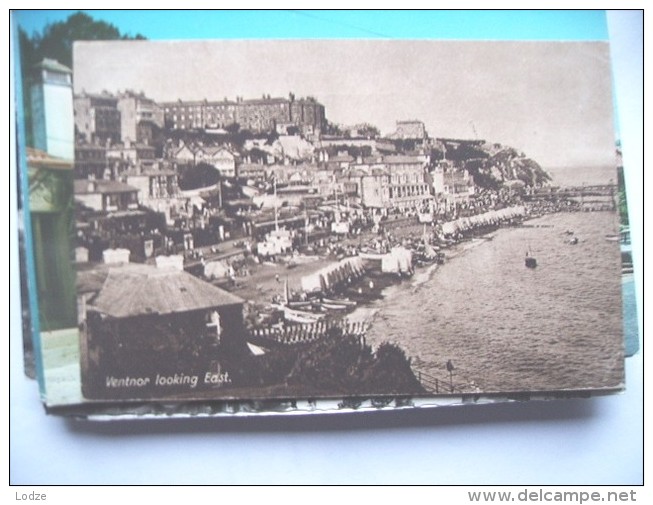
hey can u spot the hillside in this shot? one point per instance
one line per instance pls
(493, 165)
(507, 164)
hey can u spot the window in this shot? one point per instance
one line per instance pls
(56, 77)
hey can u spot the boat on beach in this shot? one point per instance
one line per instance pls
(288, 316)
(334, 306)
(345, 301)
(298, 316)
(300, 305)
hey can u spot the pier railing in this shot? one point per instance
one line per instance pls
(595, 197)
(439, 385)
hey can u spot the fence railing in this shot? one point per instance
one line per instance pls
(439, 385)
(311, 332)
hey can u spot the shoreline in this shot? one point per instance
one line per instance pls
(423, 275)
(366, 313)
(269, 279)
(264, 288)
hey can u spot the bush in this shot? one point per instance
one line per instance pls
(341, 364)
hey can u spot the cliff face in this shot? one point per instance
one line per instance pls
(493, 165)
(506, 164)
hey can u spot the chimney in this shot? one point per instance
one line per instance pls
(175, 262)
(115, 256)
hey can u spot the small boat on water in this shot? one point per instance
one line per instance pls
(530, 262)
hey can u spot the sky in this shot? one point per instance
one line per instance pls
(498, 97)
(551, 100)
(430, 24)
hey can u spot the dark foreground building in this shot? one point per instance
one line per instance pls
(152, 332)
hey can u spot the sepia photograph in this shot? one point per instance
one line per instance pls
(307, 219)
(229, 225)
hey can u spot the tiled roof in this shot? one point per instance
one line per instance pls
(90, 278)
(213, 150)
(133, 290)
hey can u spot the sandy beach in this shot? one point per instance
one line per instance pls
(267, 279)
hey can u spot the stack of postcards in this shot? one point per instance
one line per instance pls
(218, 228)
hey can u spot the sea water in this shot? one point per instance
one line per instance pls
(505, 327)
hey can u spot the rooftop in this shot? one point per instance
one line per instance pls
(398, 158)
(149, 172)
(131, 145)
(86, 187)
(341, 157)
(104, 95)
(41, 159)
(136, 289)
(215, 150)
(90, 277)
(259, 101)
(53, 66)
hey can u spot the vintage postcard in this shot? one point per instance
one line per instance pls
(341, 219)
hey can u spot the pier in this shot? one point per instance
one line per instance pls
(597, 197)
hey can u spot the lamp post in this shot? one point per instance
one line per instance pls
(450, 368)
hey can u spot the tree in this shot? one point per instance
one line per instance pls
(56, 42)
(57, 38)
(332, 129)
(240, 137)
(272, 137)
(342, 364)
(369, 131)
(199, 176)
(232, 128)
